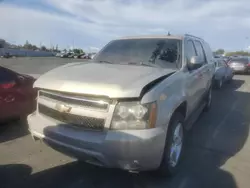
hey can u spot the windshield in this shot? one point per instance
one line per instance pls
(162, 52)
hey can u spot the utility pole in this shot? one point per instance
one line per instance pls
(50, 44)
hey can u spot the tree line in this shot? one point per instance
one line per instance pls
(239, 53)
(27, 45)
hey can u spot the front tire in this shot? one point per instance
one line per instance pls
(174, 146)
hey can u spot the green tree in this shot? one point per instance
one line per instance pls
(43, 48)
(27, 45)
(219, 51)
(238, 53)
(34, 47)
(81, 51)
(76, 51)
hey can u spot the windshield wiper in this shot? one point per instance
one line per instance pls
(105, 62)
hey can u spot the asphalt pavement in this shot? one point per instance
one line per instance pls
(217, 155)
(35, 65)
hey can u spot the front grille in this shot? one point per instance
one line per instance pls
(75, 120)
(85, 102)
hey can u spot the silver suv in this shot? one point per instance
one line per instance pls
(130, 106)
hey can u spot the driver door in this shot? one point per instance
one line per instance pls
(194, 82)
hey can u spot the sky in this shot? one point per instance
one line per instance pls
(90, 24)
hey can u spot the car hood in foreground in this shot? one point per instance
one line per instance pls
(112, 80)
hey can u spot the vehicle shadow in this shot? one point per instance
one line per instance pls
(216, 137)
(13, 129)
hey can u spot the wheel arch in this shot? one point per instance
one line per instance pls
(182, 109)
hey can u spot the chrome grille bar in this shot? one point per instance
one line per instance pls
(84, 102)
(84, 122)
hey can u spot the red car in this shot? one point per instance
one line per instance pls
(17, 96)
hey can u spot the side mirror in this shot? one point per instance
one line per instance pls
(194, 62)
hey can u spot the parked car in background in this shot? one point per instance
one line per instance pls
(88, 56)
(217, 56)
(7, 55)
(92, 55)
(71, 55)
(223, 73)
(58, 54)
(77, 56)
(240, 64)
(64, 55)
(131, 106)
(67, 55)
(17, 96)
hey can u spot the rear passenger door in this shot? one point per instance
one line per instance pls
(220, 69)
(204, 70)
(224, 68)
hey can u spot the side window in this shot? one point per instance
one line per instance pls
(190, 50)
(208, 51)
(6, 75)
(225, 63)
(222, 63)
(200, 51)
(216, 64)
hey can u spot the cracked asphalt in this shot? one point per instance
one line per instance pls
(217, 155)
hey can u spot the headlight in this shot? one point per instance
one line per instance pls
(133, 115)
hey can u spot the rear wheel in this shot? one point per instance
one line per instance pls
(174, 146)
(230, 79)
(219, 83)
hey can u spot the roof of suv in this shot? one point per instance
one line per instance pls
(180, 37)
(153, 36)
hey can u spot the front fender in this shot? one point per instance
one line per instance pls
(165, 109)
(168, 95)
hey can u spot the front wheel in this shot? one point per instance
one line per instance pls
(174, 146)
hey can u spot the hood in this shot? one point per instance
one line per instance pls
(112, 80)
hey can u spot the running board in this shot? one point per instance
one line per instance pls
(194, 117)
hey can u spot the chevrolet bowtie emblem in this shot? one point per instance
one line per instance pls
(63, 108)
